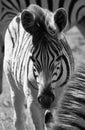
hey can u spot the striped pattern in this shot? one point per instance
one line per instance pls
(37, 57)
(45, 56)
(74, 8)
(70, 114)
(49, 54)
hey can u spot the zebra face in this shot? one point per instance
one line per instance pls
(48, 73)
(46, 79)
(51, 63)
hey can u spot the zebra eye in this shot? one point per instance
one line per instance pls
(56, 71)
(35, 72)
(57, 65)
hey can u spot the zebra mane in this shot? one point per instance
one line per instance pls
(70, 111)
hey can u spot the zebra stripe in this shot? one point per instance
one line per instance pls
(46, 51)
(72, 4)
(75, 9)
(37, 56)
(80, 8)
(70, 112)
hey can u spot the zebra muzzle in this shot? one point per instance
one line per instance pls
(46, 100)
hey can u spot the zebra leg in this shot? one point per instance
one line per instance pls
(35, 115)
(18, 100)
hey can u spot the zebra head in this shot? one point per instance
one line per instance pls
(51, 56)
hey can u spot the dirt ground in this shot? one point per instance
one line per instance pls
(77, 44)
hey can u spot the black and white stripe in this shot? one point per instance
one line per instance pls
(74, 8)
(70, 113)
(38, 56)
(47, 49)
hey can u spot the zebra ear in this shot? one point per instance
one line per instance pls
(60, 18)
(28, 21)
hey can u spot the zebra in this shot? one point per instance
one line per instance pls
(75, 13)
(70, 111)
(38, 62)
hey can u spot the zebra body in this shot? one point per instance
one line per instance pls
(75, 10)
(38, 63)
(70, 111)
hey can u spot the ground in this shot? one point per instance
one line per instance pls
(77, 44)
